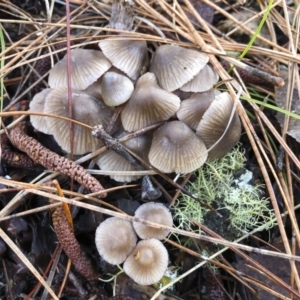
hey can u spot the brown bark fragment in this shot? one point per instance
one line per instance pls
(52, 160)
(70, 245)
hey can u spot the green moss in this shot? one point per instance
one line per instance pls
(242, 204)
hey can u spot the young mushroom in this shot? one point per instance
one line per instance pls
(148, 104)
(86, 67)
(95, 88)
(86, 109)
(174, 66)
(116, 88)
(147, 263)
(156, 213)
(115, 239)
(176, 148)
(130, 56)
(214, 128)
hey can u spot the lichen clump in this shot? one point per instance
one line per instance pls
(225, 185)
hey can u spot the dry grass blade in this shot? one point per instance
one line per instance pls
(25, 260)
(155, 225)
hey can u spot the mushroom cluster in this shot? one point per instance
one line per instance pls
(146, 261)
(87, 67)
(199, 126)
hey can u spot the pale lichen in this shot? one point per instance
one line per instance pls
(240, 202)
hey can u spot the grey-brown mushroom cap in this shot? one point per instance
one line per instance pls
(86, 67)
(147, 263)
(115, 239)
(148, 104)
(156, 213)
(176, 148)
(116, 88)
(213, 125)
(86, 109)
(193, 108)
(37, 105)
(203, 81)
(174, 66)
(111, 161)
(130, 56)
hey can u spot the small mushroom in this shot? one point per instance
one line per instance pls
(192, 109)
(115, 239)
(130, 56)
(112, 161)
(176, 148)
(147, 263)
(214, 129)
(156, 213)
(86, 67)
(116, 89)
(174, 66)
(148, 104)
(203, 81)
(37, 105)
(95, 88)
(86, 109)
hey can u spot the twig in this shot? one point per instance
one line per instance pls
(25, 260)
(148, 190)
(254, 75)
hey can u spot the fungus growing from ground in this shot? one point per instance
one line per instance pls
(176, 148)
(115, 239)
(116, 88)
(148, 104)
(37, 105)
(147, 263)
(129, 56)
(174, 66)
(86, 67)
(111, 161)
(203, 81)
(156, 213)
(86, 109)
(214, 124)
(193, 108)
